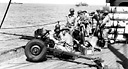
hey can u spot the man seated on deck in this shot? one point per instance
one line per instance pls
(65, 42)
(79, 40)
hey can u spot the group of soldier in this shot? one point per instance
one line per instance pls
(79, 26)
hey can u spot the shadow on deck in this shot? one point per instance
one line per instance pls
(89, 65)
(122, 57)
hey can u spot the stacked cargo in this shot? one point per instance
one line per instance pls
(118, 23)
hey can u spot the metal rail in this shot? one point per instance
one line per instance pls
(35, 25)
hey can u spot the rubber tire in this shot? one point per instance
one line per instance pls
(36, 58)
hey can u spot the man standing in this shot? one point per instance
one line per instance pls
(71, 18)
(106, 19)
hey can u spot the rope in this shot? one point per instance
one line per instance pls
(34, 25)
(5, 14)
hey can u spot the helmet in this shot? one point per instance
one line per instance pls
(106, 12)
(71, 10)
(39, 32)
(98, 10)
(106, 8)
(85, 11)
(92, 13)
(79, 12)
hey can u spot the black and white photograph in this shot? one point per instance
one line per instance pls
(63, 34)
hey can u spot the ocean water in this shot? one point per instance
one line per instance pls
(20, 15)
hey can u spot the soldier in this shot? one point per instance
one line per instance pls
(106, 19)
(66, 40)
(71, 19)
(57, 31)
(88, 21)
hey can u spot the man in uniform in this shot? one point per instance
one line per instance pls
(66, 39)
(71, 19)
(106, 19)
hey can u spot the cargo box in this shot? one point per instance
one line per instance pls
(118, 16)
(115, 9)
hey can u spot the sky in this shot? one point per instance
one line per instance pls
(90, 2)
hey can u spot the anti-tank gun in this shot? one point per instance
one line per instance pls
(39, 48)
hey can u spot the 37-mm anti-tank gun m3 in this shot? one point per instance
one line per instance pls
(37, 50)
